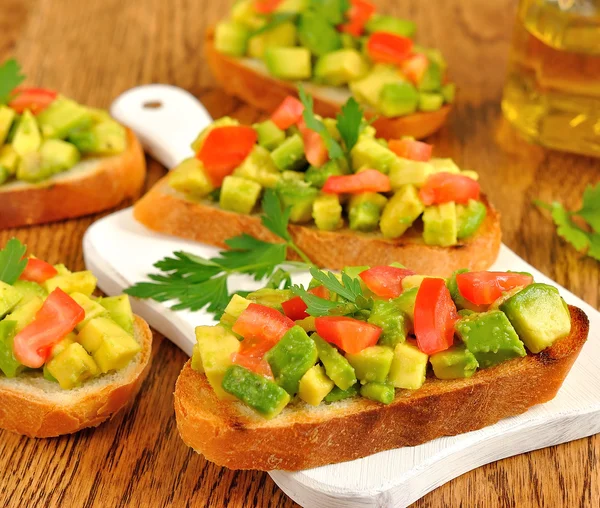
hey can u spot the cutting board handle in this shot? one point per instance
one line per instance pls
(165, 118)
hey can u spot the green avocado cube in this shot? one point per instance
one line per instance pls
(105, 138)
(9, 159)
(239, 195)
(406, 303)
(58, 155)
(263, 395)
(289, 63)
(234, 309)
(454, 363)
(314, 385)
(337, 368)
(409, 172)
(338, 394)
(490, 337)
(259, 167)
(432, 79)
(444, 164)
(365, 209)
(391, 320)
(327, 212)
(190, 178)
(439, 225)
(409, 366)
(292, 6)
(4, 174)
(402, 209)
(119, 309)
(367, 90)
(283, 35)
(371, 154)
(29, 289)
(539, 316)
(32, 168)
(9, 365)
(372, 364)
(299, 196)
(92, 309)
(270, 297)
(340, 67)
(317, 35)
(469, 218)
(231, 38)
(244, 13)
(9, 298)
(289, 155)
(27, 136)
(291, 358)
(318, 176)
(25, 313)
(62, 117)
(379, 392)
(76, 282)
(7, 116)
(448, 92)
(397, 99)
(72, 367)
(390, 24)
(430, 101)
(269, 135)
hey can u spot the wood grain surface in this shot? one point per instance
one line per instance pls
(95, 50)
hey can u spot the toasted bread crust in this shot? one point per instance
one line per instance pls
(103, 186)
(305, 437)
(33, 415)
(167, 211)
(266, 93)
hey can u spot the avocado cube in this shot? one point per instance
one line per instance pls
(271, 297)
(32, 168)
(7, 116)
(269, 135)
(27, 137)
(259, 167)
(448, 92)
(25, 313)
(290, 154)
(231, 38)
(369, 153)
(289, 63)
(234, 309)
(263, 395)
(59, 347)
(292, 6)
(58, 155)
(63, 116)
(317, 35)
(239, 195)
(372, 364)
(9, 159)
(412, 281)
(469, 218)
(338, 394)
(378, 392)
(28, 290)
(432, 79)
(397, 99)
(365, 210)
(337, 368)
(244, 13)
(539, 316)
(430, 101)
(308, 324)
(104, 138)
(197, 359)
(409, 366)
(76, 282)
(314, 385)
(119, 309)
(439, 225)
(299, 197)
(403, 208)
(9, 365)
(454, 363)
(368, 89)
(9, 298)
(190, 178)
(409, 172)
(340, 67)
(390, 24)
(331, 126)
(490, 337)
(4, 174)
(391, 320)
(444, 164)
(406, 303)
(318, 176)
(72, 367)
(327, 212)
(92, 309)
(283, 35)
(291, 358)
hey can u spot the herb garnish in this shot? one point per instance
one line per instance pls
(279, 18)
(12, 263)
(10, 78)
(583, 239)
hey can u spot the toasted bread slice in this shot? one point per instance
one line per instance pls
(249, 80)
(35, 407)
(165, 210)
(93, 185)
(302, 436)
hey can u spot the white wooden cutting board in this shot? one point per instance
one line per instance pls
(121, 251)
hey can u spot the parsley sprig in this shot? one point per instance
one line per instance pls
(10, 78)
(12, 263)
(584, 239)
(195, 282)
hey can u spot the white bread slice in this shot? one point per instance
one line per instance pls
(302, 437)
(167, 211)
(249, 80)
(35, 407)
(94, 185)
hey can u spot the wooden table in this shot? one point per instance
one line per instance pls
(95, 50)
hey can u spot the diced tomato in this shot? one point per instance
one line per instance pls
(444, 187)
(411, 149)
(484, 288)
(385, 281)
(258, 365)
(224, 149)
(369, 180)
(349, 334)
(295, 308)
(414, 67)
(359, 13)
(314, 148)
(57, 317)
(434, 316)
(288, 113)
(38, 271)
(266, 6)
(385, 47)
(35, 100)
(261, 323)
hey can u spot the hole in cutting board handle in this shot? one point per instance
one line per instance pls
(152, 105)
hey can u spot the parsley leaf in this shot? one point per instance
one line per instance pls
(313, 123)
(279, 18)
(252, 256)
(590, 211)
(566, 228)
(350, 123)
(348, 288)
(12, 263)
(273, 218)
(10, 78)
(317, 306)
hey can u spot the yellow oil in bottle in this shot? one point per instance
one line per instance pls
(552, 92)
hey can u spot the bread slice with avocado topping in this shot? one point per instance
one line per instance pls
(230, 434)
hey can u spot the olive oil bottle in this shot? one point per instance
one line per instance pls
(552, 92)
